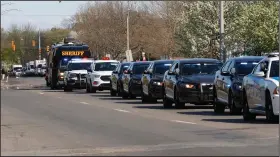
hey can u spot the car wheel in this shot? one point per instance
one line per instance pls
(119, 89)
(232, 108)
(247, 115)
(112, 92)
(166, 102)
(124, 94)
(269, 110)
(143, 97)
(218, 107)
(178, 104)
(131, 96)
(87, 87)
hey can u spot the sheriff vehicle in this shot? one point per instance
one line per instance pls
(261, 90)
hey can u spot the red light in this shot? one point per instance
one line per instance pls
(105, 58)
(85, 58)
(95, 83)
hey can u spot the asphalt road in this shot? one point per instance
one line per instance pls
(39, 121)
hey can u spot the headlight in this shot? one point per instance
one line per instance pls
(276, 90)
(96, 76)
(157, 83)
(189, 86)
(61, 74)
(136, 81)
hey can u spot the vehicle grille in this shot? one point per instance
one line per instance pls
(207, 88)
(82, 75)
(105, 78)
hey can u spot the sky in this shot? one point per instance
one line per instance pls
(41, 14)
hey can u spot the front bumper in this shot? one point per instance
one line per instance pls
(76, 83)
(275, 104)
(101, 83)
(156, 91)
(202, 95)
(135, 89)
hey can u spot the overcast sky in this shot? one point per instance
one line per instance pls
(43, 14)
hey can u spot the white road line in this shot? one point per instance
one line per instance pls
(59, 97)
(120, 110)
(179, 121)
(84, 103)
(263, 138)
(41, 93)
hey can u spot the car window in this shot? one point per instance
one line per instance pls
(245, 68)
(274, 69)
(161, 68)
(139, 68)
(257, 68)
(225, 67)
(79, 66)
(124, 67)
(199, 68)
(173, 66)
(105, 66)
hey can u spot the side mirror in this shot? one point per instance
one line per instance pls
(177, 71)
(171, 73)
(263, 67)
(259, 74)
(232, 71)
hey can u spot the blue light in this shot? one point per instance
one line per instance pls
(65, 59)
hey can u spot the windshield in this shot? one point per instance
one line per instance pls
(17, 69)
(124, 67)
(161, 68)
(274, 70)
(39, 66)
(78, 66)
(105, 66)
(31, 66)
(140, 68)
(245, 68)
(199, 68)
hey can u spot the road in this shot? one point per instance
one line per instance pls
(39, 121)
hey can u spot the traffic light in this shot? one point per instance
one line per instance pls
(33, 43)
(48, 48)
(14, 47)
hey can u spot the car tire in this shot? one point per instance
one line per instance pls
(119, 89)
(269, 110)
(87, 87)
(131, 96)
(232, 108)
(218, 107)
(178, 104)
(247, 115)
(166, 102)
(112, 92)
(144, 97)
(124, 94)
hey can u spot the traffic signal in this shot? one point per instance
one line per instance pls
(48, 48)
(14, 47)
(33, 43)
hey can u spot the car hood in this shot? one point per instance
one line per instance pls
(158, 77)
(78, 72)
(239, 78)
(102, 73)
(137, 76)
(198, 79)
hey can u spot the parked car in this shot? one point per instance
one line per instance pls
(152, 80)
(228, 83)
(190, 81)
(131, 80)
(261, 90)
(116, 78)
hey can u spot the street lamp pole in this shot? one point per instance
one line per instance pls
(127, 26)
(39, 45)
(222, 31)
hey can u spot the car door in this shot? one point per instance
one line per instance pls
(170, 81)
(257, 91)
(146, 79)
(126, 78)
(114, 77)
(226, 81)
(219, 83)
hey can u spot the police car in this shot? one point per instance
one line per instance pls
(99, 77)
(75, 74)
(261, 90)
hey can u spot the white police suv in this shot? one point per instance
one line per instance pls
(75, 74)
(261, 90)
(99, 78)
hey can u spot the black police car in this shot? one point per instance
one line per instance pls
(116, 78)
(152, 80)
(190, 81)
(132, 79)
(228, 83)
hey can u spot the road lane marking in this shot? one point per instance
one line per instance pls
(120, 110)
(84, 103)
(41, 93)
(59, 97)
(179, 121)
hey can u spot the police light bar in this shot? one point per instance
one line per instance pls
(105, 58)
(273, 54)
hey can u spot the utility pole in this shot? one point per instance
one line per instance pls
(129, 57)
(39, 45)
(222, 31)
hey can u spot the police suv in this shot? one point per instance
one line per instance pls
(99, 77)
(261, 90)
(75, 74)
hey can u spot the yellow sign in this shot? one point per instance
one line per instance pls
(72, 53)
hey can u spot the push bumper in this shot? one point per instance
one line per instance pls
(135, 89)
(195, 96)
(79, 84)
(156, 91)
(275, 104)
